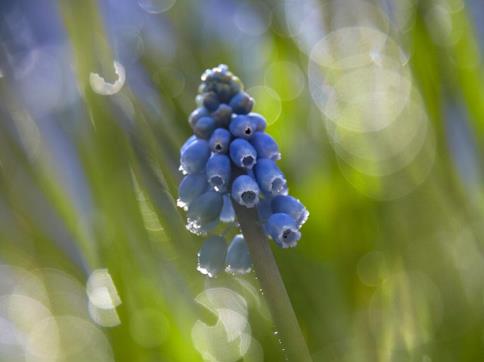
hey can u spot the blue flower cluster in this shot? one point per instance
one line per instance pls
(231, 159)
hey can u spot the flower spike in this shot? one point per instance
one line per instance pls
(230, 162)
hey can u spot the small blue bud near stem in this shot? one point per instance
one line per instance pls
(232, 177)
(227, 215)
(211, 257)
(238, 259)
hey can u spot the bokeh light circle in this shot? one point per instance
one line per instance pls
(67, 338)
(156, 6)
(286, 77)
(253, 19)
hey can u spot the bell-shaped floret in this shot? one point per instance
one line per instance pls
(242, 153)
(218, 172)
(283, 230)
(238, 259)
(191, 186)
(291, 206)
(245, 191)
(265, 146)
(204, 210)
(269, 177)
(204, 127)
(243, 126)
(220, 140)
(211, 257)
(194, 156)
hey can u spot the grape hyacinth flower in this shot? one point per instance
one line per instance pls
(230, 162)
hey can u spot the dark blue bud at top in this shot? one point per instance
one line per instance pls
(243, 126)
(227, 214)
(245, 191)
(265, 146)
(218, 172)
(222, 115)
(223, 91)
(242, 153)
(220, 140)
(283, 230)
(258, 120)
(238, 257)
(194, 156)
(190, 188)
(291, 206)
(235, 85)
(204, 127)
(204, 210)
(196, 115)
(210, 101)
(211, 257)
(241, 103)
(271, 180)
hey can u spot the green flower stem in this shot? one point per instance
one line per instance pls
(272, 285)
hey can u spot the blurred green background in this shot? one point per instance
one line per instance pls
(378, 107)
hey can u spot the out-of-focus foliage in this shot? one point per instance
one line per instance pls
(378, 107)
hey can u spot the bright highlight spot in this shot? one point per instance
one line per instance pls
(230, 338)
(103, 298)
(100, 86)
